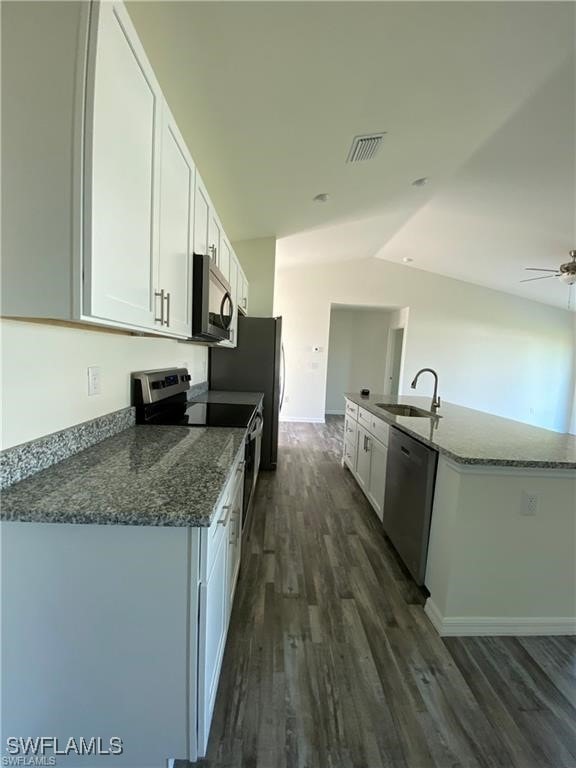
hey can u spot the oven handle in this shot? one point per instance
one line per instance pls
(256, 428)
(224, 298)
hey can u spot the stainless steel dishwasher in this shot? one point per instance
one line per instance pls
(410, 478)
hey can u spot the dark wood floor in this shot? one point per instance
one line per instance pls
(331, 661)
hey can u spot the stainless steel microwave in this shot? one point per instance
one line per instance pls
(212, 306)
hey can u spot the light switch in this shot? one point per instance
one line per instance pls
(94, 387)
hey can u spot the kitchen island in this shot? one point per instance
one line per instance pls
(119, 565)
(502, 546)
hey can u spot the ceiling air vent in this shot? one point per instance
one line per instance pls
(365, 147)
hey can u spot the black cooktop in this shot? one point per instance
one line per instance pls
(204, 415)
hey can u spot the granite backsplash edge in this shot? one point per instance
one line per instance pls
(24, 460)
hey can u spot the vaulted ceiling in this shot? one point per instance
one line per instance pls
(477, 96)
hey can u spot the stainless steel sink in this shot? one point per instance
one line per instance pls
(406, 410)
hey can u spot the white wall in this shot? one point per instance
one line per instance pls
(44, 377)
(356, 353)
(493, 351)
(258, 260)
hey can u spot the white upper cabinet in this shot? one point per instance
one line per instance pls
(214, 235)
(101, 228)
(224, 257)
(173, 294)
(201, 217)
(242, 291)
(121, 161)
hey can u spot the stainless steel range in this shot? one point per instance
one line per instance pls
(161, 398)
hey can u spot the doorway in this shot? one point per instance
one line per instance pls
(358, 349)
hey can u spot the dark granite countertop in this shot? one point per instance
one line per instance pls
(145, 475)
(474, 437)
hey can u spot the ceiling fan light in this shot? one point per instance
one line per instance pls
(568, 277)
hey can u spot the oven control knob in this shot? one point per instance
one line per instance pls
(157, 384)
(185, 377)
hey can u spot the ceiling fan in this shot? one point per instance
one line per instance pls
(566, 272)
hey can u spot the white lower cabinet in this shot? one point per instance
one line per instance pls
(213, 624)
(362, 458)
(349, 456)
(377, 479)
(365, 453)
(220, 562)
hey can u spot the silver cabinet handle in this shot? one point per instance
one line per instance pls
(160, 295)
(224, 517)
(167, 297)
(244, 302)
(240, 467)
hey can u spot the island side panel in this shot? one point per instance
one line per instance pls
(443, 527)
(95, 637)
(493, 569)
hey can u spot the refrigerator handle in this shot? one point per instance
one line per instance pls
(283, 378)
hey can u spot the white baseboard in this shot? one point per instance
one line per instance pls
(341, 412)
(476, 626)
(303, 419)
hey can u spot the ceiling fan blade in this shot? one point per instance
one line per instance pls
(538, 269)
(531, 279)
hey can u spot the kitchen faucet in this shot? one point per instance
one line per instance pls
(435, 398)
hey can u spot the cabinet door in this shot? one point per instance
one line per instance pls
(377, 482)
(214, 235)
(234, 544)
(363, 458)
(174, 268)
(121, 163)
(245, 297)
(224, 260)
(242, 291)
(349, 455)
(201, 217)
(213, 625)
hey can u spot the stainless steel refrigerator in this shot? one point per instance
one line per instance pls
(255, 365)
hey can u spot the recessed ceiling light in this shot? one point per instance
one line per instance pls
(407, 259)
(420, 182)
(323, 197)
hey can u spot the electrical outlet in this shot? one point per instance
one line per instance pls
(94, 387)
(529, 504)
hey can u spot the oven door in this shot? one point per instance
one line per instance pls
(212, 306)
